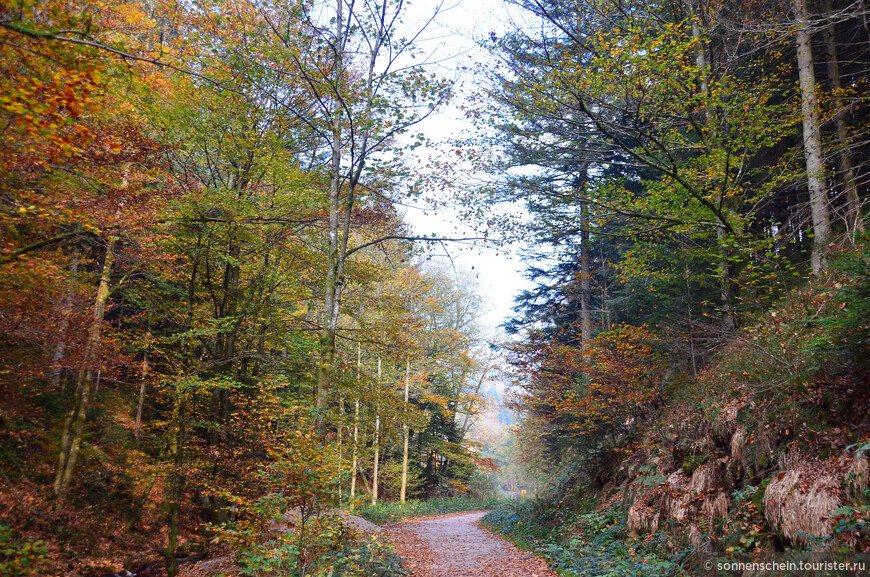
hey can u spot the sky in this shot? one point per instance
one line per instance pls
(450, 45)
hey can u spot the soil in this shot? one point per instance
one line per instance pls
(456, 546)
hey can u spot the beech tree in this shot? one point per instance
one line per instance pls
(364, 88)
(812, 141)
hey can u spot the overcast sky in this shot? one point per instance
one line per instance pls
(449, 44)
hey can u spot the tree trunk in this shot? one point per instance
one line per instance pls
(726, 292)
(854, 221)
(585, 276)
(65, 309)
(700, 56)
(176, 482)
(220, 405)
(152, 479)
(377, 444)
(140, 504)
(73, 427)
(340, 431)
(353, 471)
(377, 450)
(334, 258)
(405, 431)
(353, 468)
(605, 305)
(812, 142)
(138, 424)
(467, 423)
(340, 211)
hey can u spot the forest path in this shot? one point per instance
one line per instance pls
(456, 546)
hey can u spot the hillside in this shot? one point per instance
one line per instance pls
(765, 451)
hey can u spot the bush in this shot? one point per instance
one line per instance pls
(590, 543)
(20, 557)
(295, 525)
(481, 486)
(368, 558)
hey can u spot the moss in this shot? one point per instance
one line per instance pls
(763, 460)
(692, 462)
(758, 497)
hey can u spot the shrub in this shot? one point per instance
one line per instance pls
(368, 558)
(20, 557)
(295, 525)
(590, 543)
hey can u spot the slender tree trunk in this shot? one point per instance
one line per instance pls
(377, 450)
(726, 292)
(220, 404)
(140, 504)
(585, 276)
(377, 447)
(138, 424)
(226, 343)
(812, 142)
(691, 334)
(365, 481)
(406, 432)
(340, 431)
(854, 221)
(700, 56)
(65, 309)
(353, 471)
(605, 305)
(467, 422)
(176, 482)
(353, 468)
(332, 284)
(152, 478)
(340, 211)
(73, 427)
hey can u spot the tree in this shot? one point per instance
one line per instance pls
(76, 159)
(588, 398)
(361, 96)
(812, 141)
(854, 219)
(166, 217)
(73, 426)
(636, 122)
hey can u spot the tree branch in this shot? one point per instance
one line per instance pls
(410, 239)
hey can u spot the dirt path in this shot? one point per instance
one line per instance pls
(455, 546)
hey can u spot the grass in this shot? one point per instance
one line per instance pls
(390, 512)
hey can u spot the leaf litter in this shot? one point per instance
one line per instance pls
(456, 546)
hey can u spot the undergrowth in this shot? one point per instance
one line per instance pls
(390, 512)
(20, 557)
(787, 390)
(590, 542)
(368, 558)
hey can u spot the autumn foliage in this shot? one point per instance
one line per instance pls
(611, 385)
(165, 216)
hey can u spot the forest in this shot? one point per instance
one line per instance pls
(221, 334)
